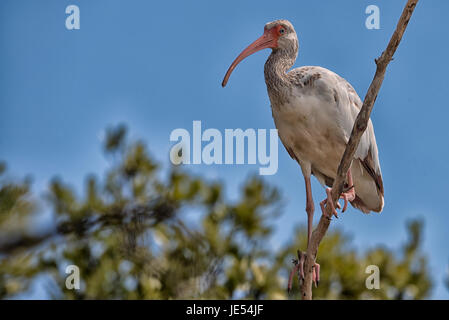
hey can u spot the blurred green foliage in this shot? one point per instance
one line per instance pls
(143, 233)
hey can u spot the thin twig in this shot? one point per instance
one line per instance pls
(360, 125)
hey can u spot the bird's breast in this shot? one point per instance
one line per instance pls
(308, 126)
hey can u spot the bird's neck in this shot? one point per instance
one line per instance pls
(276, 78)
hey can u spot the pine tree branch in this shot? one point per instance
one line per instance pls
(359, 128)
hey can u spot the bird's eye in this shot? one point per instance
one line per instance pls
(282, 31)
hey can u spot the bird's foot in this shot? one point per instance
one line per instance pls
(348, 195)
(316, 274)
(299, 270)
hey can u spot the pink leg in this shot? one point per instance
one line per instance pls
(310, 208)
(348, 196)
(290, 278)
(299, 264)
(316, 274)
(299, 270)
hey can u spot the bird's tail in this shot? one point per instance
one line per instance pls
(369, 197)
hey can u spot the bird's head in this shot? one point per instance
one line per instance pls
(277, 35)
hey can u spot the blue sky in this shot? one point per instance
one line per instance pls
(157, 66)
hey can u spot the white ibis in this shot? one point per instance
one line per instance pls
(314, 110)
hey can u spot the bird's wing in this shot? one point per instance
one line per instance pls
(367, 151)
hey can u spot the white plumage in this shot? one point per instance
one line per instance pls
(315, 125)
(314, 110)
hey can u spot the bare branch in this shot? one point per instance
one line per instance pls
(356, 134)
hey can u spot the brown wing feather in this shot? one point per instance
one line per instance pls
(368, 164)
